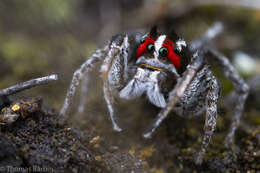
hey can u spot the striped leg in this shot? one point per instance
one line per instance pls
(211, 117)
(241, 92)
(178, 92)
(113, 71)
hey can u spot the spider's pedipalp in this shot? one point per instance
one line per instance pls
(241, 91)
(178, 91)
(98, 55)
(211, 115)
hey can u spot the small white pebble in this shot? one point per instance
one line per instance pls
(244, 63)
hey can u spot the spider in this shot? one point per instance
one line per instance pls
(173, 75)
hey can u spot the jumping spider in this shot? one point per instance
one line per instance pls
(174, 76)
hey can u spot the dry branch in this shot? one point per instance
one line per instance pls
(27, 85)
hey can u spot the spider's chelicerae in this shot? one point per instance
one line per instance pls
(173, 75)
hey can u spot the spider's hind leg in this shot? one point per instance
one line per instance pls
(241, 92)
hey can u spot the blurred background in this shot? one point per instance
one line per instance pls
(43, 37)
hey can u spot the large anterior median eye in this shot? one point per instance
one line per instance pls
(163, 52)
(150, 47)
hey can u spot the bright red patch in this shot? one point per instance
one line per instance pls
(175, 59)
(142, 48)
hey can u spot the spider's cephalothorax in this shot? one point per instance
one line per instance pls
(173, 76)
(159, 62)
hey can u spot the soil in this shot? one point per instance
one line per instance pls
(37, 143)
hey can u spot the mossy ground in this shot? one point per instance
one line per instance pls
(173, 146)
(38, 142)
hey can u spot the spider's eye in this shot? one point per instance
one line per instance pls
(176, 50)
(142, 40)
(163, 52)
(150, 47)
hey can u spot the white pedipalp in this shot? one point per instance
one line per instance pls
(144, 81)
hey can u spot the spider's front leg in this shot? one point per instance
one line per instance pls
(241, 91)
(115, 71)
(178, 91)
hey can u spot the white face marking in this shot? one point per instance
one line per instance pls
(180, 43)
(158, 44)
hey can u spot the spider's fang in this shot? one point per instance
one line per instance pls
(152, 67)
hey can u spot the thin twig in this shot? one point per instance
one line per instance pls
(251, 4)
(28, 84)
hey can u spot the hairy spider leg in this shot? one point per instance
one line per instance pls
(114, 55)
(241, 91)
(83, 93)
(211, 115)
(98, 55)
(178, 91)
(209, 35)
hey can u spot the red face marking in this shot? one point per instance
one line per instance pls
(143, 46)
(174, 58)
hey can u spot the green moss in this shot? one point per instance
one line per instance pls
(23, 55)
(254, 118)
